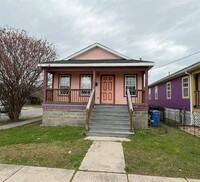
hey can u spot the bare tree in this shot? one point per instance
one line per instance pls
(20, 55)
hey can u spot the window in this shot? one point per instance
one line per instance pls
(168, 90)
(156, 92)
(86, 83)
(64, 84)
(149, 93)
(130, 83)
(185, 87)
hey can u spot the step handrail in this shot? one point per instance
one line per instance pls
(130, 109)
(89, 108)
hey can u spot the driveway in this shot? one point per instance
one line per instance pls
(27, 112)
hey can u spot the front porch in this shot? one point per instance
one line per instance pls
(71, 97)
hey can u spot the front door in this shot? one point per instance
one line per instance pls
(107, 90)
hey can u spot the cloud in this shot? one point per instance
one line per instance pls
(161, 31)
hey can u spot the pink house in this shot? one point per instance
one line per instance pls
(94, 86)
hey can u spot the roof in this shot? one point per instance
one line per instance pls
(93, 46)
(177, 74)
(98, 63)
(123, 60)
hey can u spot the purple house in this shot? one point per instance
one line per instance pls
(178, 94)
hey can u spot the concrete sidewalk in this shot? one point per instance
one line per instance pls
(104, 156)
(21, 123)
(16, 173)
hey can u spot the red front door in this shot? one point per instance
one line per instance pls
(107, 90)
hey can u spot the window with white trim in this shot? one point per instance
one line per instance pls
(156, 92)
(64, 84)
(130, 83)
(86, 85)
(185, 87)
(168, 90)
(149, 93)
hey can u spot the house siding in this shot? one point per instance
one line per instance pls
(119, 97)
(176, 101)
(97, 53)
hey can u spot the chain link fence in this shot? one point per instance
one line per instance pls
(183, 120)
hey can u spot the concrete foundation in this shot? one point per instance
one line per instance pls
(56, 115)
(140, 119)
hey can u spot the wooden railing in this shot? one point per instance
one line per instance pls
(197, 99)
(89, 108)
(130, 109)
(68, 95)
(137, 96)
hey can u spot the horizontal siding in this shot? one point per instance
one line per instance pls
(176, 101)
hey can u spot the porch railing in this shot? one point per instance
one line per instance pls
(197, 99)
(68, 95)
(130, 109)
(137, 96)
(89, 108)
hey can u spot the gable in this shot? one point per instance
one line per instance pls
(97, 53)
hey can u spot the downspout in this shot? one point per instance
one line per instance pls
(191, 115)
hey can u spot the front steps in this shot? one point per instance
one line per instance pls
(109, 121)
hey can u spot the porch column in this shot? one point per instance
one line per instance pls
(146, 87)
(45, 85)
(94, 79)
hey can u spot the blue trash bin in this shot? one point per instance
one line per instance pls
(155, 118)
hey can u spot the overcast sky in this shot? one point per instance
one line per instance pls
(157, 30)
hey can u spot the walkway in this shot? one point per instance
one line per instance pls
(21, 123)
(104, 157)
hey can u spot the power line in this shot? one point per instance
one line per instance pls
(178, 60)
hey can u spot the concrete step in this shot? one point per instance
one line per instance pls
(109, 114)
(109, 127)
(109, 133)
(111, 122)
(109, 119)
(110, 106)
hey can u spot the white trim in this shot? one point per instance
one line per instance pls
(97, 65)
(169, 90)
(156, 93)
(185, 97)
(149, 93)
(135, 76)
(88, 92)
(63, 75)
(96, 45)
(191, 101)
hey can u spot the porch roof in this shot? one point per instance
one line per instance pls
(99, 63)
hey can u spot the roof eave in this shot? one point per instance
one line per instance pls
(149, 65)
(177, 74)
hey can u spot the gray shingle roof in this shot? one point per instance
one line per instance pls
(73, 61)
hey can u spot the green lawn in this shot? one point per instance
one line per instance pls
(62, 147)
(163, 151)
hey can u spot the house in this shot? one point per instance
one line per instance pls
(178, 94)
(93, 82)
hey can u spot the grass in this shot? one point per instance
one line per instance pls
(62, 147)
(163, 151)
